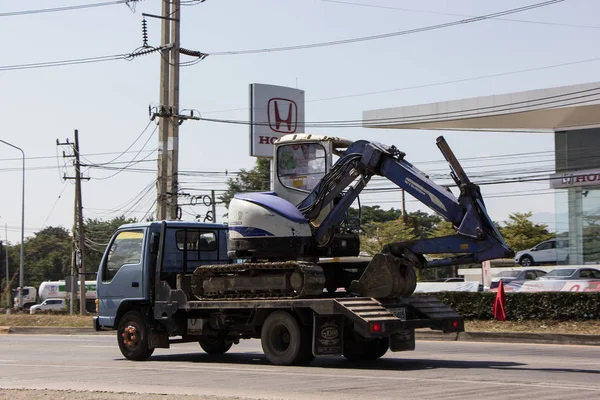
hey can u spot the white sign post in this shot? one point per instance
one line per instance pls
(486, 273)
(274, 111)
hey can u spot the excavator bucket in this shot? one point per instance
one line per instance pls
(388, 276)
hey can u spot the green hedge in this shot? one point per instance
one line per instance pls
(524, 306)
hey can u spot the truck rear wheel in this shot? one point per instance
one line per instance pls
(132, 336)
(285, 341)
(360, 349)
(214, 345)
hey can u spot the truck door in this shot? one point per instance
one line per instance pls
(121, 276)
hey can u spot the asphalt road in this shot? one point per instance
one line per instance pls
(436, 370)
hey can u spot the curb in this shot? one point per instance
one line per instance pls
(498, 337)
(51, 330)
(512, 337)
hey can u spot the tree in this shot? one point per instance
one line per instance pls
(521, 233)
(378, 234)
(48, 255)
(443, 228)
(254, 180)
(423, 223)
(371, 214)
(97, 236)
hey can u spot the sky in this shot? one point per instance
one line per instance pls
(108, 102)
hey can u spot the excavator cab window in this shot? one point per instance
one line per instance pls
(301, 165)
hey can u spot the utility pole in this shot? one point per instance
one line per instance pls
(80, 223)
(79, 239)
(213, 206)
(164, 121)
(7, 279)
(173, 141)
(403, 206)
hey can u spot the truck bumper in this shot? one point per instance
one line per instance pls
(96, 323)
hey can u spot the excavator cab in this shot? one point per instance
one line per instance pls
(269, 225)
(301, 161)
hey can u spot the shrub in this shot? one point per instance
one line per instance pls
(525, 306)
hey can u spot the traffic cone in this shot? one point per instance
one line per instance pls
(498, 309)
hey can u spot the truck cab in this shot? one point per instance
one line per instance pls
(127, 271)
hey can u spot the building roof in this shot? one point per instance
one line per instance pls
(543, 110)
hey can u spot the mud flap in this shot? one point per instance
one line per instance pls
(159, 340)
(403, 341)
(328, 335)
(387, 276)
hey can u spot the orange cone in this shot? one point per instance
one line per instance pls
(498, 309)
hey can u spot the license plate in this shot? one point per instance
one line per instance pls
(399, 313)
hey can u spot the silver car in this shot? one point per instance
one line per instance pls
(572, 273)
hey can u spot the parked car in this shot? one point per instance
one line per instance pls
(572, 273)
(516, 275)
(543, 253)
(49, 305)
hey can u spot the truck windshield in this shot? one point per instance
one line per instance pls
(301, 166)
(125, 249)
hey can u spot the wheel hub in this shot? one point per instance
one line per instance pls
(130, 336)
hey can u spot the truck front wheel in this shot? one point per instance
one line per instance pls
(359, 349)
(284, 341)
(214, 345)
(132, 335)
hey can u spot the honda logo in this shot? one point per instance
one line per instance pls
(282, 115)
(567, 179)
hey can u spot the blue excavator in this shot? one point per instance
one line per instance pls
(299, 241)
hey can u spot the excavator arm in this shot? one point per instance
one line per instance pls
(476, 239)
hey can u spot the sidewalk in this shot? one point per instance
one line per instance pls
(510, 337)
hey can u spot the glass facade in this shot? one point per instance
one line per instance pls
(577, 181)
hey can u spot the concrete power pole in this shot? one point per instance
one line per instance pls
(163, 112)
(80, 232)
(79, 239)
(173, 141)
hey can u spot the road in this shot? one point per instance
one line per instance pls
(436, 370)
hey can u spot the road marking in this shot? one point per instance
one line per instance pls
(267, 370)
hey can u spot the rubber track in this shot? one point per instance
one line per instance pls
(313, 276)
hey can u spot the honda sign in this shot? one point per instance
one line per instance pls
(274, 111)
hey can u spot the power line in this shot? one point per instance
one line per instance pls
(391, 34)
(128, 148)
(426, 85)
(87, 155)
(461, 15)
(74, 61)
(474, 112)
(66, 8)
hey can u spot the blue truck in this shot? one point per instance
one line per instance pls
(286, 268)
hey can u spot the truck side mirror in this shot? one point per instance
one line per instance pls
(154, 242)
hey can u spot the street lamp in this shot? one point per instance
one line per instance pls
(22, 257)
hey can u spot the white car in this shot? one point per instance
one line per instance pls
(53, 305)
(543, 253)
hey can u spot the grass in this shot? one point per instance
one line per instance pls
(591, 327)
(71, 321)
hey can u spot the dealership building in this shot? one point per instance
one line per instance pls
(571, 113)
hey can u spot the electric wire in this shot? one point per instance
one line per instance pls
(133, 161)
(566, 99)
(461, 15)
(66, 8)
(127, 149)
(54, 205)
(390, 34)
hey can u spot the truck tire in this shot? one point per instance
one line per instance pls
(359, 349)
(285, 341)
(214, 345)
(132, 336)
